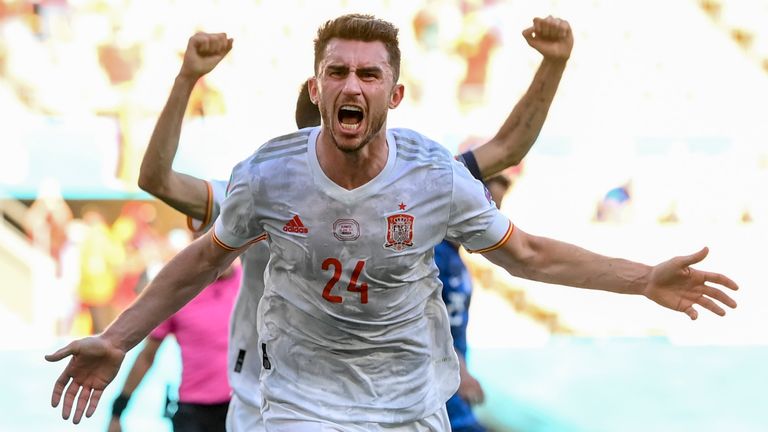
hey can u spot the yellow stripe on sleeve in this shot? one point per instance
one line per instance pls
(208, 211)
(226, 247)
(498, 244)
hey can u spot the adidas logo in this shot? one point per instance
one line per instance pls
(295, 226)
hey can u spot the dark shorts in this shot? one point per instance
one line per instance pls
(191, 417)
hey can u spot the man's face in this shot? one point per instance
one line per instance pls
(354, 89)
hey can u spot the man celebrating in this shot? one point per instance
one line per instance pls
(201, 200)
(353, 332)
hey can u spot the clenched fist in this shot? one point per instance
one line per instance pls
(204, 52)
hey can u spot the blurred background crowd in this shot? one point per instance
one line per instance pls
(656, 144)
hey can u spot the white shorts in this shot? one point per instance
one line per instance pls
(244, 417)
(279, 418)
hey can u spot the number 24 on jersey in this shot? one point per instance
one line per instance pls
(362, 289)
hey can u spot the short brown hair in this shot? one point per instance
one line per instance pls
(307, 113)
(366, 28)
(502, 179)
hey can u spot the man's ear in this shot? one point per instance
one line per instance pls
(398, 92)
(313, 91)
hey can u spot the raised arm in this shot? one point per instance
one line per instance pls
(183, 192)
(552, 37)
(96, 360)
(673, 284)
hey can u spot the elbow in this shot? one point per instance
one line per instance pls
(529, 258)
(150, 183)
(146, 180)
(515, 159)
(144, 183)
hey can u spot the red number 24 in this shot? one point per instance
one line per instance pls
(353, 287)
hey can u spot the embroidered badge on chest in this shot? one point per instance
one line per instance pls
(399, 230)
(346, 229)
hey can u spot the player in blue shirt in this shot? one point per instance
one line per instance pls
(457, 294)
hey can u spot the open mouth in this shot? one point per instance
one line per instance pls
(350, 117)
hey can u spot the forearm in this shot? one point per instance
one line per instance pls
(178, 282)
(552, 261)
(521, 128)
(182, 192)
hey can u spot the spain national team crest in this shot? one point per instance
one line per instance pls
(399, 231)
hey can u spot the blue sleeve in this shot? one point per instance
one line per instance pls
(468, 160)
(456, 293)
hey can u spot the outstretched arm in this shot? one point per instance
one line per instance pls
(183, 192)
(96, 360)
(552, 37)
(673, 284)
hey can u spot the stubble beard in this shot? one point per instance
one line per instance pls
(376, 123)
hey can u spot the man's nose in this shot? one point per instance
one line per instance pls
(352, 84)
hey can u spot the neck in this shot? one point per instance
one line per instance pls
(351, 170)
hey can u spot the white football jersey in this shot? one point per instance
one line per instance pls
(352, 324)
(243, 359)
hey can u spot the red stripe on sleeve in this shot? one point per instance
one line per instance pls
(500, 243)
(208, 211)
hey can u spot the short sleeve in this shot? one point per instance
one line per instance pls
(475, 222)
(468, 160)
(216, 192)
(237, 225)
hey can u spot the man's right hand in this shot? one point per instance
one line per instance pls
(204, 52)
(94, 364)
(550, 36)
(470, 389)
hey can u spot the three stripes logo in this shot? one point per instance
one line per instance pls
(295, 226)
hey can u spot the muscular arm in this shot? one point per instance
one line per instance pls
(521, 128)
(183, 192)
(194, 268)
(546, 260)
(552, 37)
(672, 283)
(95, 360)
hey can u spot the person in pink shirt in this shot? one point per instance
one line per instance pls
(201, 329)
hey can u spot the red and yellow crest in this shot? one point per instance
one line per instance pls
(399, 231)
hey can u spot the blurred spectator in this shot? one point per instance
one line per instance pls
(101, 258)
(143, 247)
(616, 204)
(457, 294)
(426, 26)
(201, 329)
(47, 219)
(66, 296)
(121, 62)
(205, 100)
(670, 215)
(476, 44)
